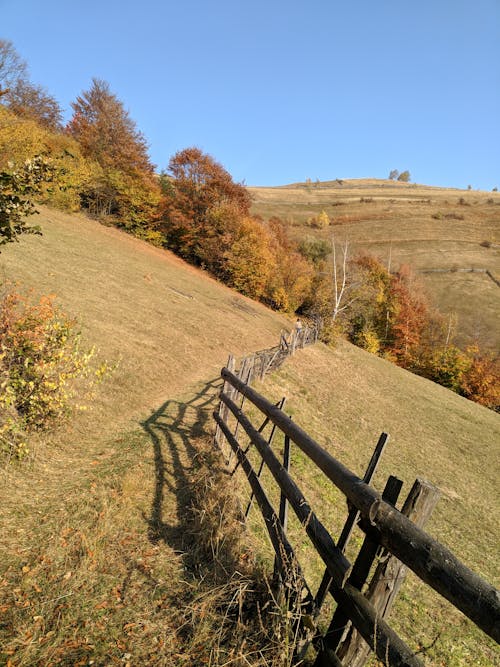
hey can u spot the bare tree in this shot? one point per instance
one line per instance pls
(12, 67)
(342, 285)
(20, 95)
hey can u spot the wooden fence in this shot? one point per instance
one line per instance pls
(358, 624)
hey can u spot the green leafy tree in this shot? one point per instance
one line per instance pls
(404, 177)
(18, 189)
(315, 250)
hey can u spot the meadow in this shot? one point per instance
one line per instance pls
(120, 534)
(442, 233)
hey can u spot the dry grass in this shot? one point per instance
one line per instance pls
(429, 228)
(168, 324)
(345, 398)
(120, 543)
(136, 557)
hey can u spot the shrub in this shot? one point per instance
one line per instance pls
(17, 191)
(42, 369)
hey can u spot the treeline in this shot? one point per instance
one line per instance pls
(99, 163)
(388, 314)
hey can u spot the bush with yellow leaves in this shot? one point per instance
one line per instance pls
(42, 369)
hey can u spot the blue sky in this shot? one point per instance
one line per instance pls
(283, 91)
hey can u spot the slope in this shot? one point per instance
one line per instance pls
(99, 559)
(345, 398)
(452, 237)
(168, 324)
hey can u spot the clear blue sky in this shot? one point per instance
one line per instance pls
(280, 91)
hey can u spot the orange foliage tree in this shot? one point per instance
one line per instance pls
(409, 316)
(481, 381)
(125, 184)
(201, 208)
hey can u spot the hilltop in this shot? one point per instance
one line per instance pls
(100, 559)
(450, 236)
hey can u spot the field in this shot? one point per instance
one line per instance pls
(104, 549)
(442, 233)
(345, 398)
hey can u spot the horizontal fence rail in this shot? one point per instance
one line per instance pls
(383, 525)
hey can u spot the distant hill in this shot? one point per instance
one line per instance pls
(450, 236)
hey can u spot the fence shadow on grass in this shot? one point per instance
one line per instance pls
(172, 428)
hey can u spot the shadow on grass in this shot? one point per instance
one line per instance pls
(172, 429)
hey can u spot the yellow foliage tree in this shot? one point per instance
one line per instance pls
(22, 139)
(249, 261)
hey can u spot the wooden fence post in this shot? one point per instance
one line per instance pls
(280, 404)
(340, 623)
(223, 409)
(283, 511)
(390, 573)
(352, 517)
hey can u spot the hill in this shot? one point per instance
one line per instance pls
(101, 556)
(167, 323)
(451, 237)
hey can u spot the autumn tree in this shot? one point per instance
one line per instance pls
(202, 205)
(409, 315)
(30, 101)
(18, 190)
(106, 133)
(291, 281)
(12, 67)
(24, 98)
(249, 259)
(125, 184)
(481, 380)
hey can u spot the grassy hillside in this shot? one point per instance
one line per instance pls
(345, 398)
(167, 323)
(441, 232)
(103, 532)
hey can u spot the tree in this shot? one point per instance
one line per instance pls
(481, 380)
(124, 185)
(34, 102)
(12, 67)
(409, 315)
(393, 174)
(367, 320)
(315, 250)
(249, 260)
(20, 95)
(106, 133)
(17, 190)
(201, 203)
(404, 177)
(290, 283)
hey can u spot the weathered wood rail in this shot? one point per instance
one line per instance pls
(399, 533)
